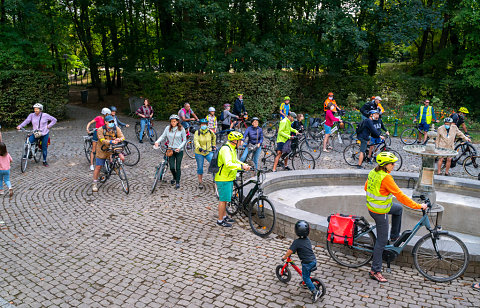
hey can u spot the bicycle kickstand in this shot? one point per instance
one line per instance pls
(388, 269)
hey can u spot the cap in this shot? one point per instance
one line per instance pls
(378, 98)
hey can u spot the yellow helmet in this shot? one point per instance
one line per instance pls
(385, 158)
(463, 110)
(232, 136)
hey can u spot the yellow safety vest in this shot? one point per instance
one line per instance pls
(428, 115)
(375, 201)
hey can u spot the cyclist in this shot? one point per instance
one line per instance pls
(229, 165)
(447, 134)
(239, 106)
(298, 124)
(365, 130)
(285, 107)
(204, 140)
(212, 120)
(185, 114)
(368, 106)
(118, 123)
(303, 247)
(284, 134)
(227, 117)
(42, 122)
(330, 100)
(378, 124)
(425, 115)
(459, 118)
(329, 120)
(144, 112)
(380, 188)
(255, 139)
(108, 134)
(177, 138)
(99, 122)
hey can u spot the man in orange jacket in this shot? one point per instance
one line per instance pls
(330, 100)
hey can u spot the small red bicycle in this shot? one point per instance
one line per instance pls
(284, 275)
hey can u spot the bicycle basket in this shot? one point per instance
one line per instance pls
(341, 228)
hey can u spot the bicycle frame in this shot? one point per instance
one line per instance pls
(290, 261)
(251, 193)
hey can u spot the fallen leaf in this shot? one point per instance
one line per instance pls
(208, 208)
(364, 296)
(458, 298)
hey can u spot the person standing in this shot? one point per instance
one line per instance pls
(185, 114)
(367, 130)
(41, 122)
(212, 120)
(229, 165)
(254, 133)
(446, 139)
(284, 134)
(285, 107)
(227, 117)
(176, 137)
(329, 121)
(425, 115)
(205, 141)
(239, 106)
(99, 122)
(5, 161)
(330, 100)
(145, 112)
(118, 123)
(369, 106)
(459, 118)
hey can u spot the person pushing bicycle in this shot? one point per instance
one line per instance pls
(380, 188)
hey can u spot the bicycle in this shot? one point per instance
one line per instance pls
(148, 131)
(130, 150)
(284, 275)
(301, 160)
(88, 144)
(260, 211)
(410, 135)
(160, 171)
(189, 147)
(114, 165)
(352, 153)
(241, 123)
(431, 257)
(270, 127)
(471, 165)
(30, 150)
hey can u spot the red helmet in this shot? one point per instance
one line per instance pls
(330, 94)
(226, 105)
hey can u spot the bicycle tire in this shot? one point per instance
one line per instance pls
(131, 154)
(123, 179)
(285, 276)
(409, 136)
(399, 162)
(388, 140)
(471, 165)
(87, 148)
(37, 153)
(464, 150)
(24, 161)
(320, 286)
(138, 128)
(261, 216)
(349, 256)
(190, 147)
(442, 270)
(267, 159)
(152, 135)
(351, 154)
(234, 205)
(302, 160)
(311, 146)
(270, 129)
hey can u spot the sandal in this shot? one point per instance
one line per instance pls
(377, 276)
(476, 286)
(325, 150)
(330, 147)
(447, 174)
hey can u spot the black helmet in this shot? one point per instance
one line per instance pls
(302, 228)
(113, 108)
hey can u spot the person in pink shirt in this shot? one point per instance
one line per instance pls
(329, 120)
(5, 160)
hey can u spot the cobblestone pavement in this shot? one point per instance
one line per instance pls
(61, 246)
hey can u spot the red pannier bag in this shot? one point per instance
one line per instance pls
(341, 228)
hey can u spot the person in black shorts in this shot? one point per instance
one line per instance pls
(303, 247)
(367, 129)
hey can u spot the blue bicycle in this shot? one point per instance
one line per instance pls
(149, 131)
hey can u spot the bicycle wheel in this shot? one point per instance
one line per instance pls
(87, 148)
(131, 153)
(440, 257)
(24, 161)
(399, 162)
(152, 135)
(159, 172)
(137, 130)
(303, 161)
(261, 216)
(346, 134)
(123, 178)
(311, 146)
(471, 165)
(357, 255)
(267, 159)
(234, 205)
(320, 286)
(190, 147)
(388, 140)
(351, 154)
(270, 129)
(284, 275)
(464, 150)
(37, 153)
(409, 136)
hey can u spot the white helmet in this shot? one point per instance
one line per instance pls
(211, 109)
(106, 111)
(39, 106)
(174, 116)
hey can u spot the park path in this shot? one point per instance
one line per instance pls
(62, 246)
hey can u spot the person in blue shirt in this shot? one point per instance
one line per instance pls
(285, 107)
(255, 139)
(425, 115)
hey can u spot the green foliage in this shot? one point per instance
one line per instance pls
(20, 90)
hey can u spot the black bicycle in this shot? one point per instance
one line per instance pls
(114, 165)
(260, 211)
(352, 153)
(130, 150)
(149, 131)
(301, 160)
(160, 171)
(30, 150)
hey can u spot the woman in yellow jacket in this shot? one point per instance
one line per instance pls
(380, 189)
(205, 141)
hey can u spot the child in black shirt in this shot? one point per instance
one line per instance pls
(303, 247)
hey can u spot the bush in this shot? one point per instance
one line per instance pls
(20, 90)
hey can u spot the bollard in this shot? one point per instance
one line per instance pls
(306, 121)
(395, 131)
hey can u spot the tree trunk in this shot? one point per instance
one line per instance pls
(105, 61)
(116, 52)
(2, 12)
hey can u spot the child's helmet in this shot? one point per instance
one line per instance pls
(302, 228)
(211, 109)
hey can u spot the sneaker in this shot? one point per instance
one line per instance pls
(359, 167)
(223, 223)
(92, 167)
(287, 168)
(200, 186)
(10, 192)
(229, 220)
(316, 296)
(172, 182)
(45, 164)
(141, 141)
(94, 187)
(177, 186)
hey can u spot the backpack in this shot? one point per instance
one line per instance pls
(221, 117)
(359, 128)
(213, 167)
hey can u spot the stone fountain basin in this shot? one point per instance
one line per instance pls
(315, 194)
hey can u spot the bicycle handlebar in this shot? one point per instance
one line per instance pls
(429, 204)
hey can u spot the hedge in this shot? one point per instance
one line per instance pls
(20, 90)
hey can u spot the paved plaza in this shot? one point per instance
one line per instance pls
(63, 246)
